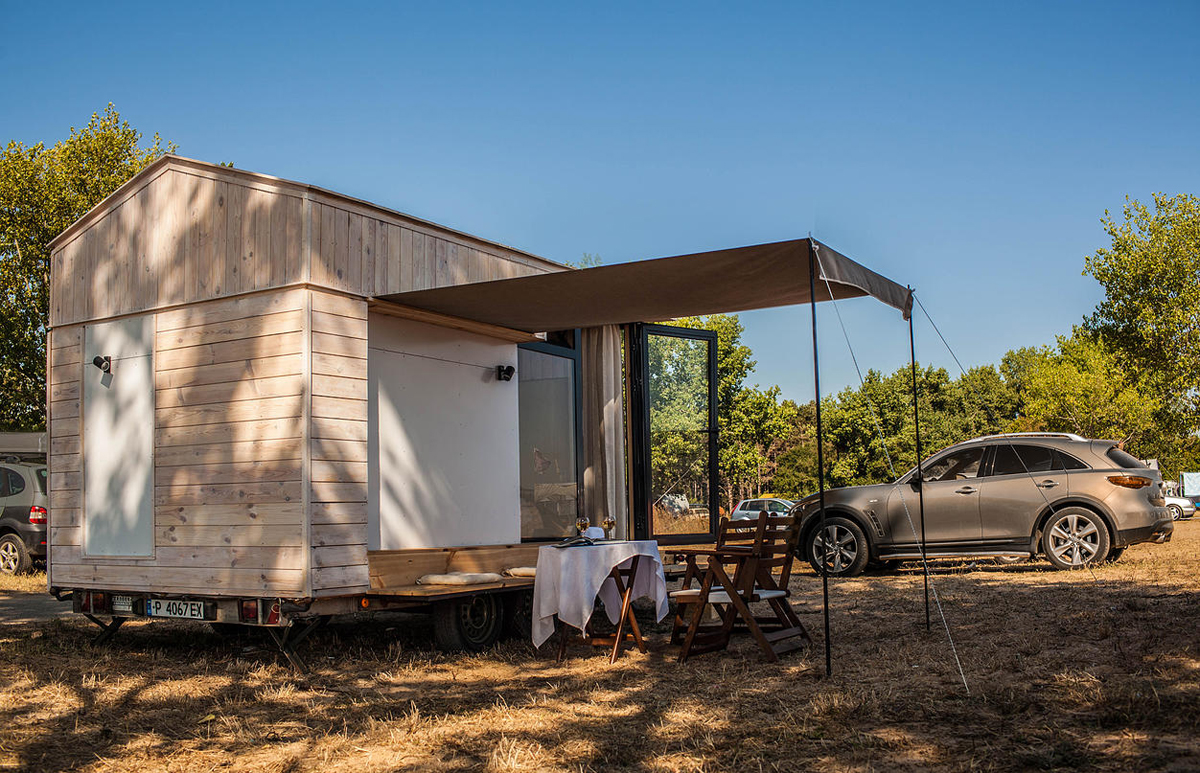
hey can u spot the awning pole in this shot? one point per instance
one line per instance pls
(912, 350)
(812, 294)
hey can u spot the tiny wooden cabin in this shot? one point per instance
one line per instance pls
(261, 390)
(232, 414)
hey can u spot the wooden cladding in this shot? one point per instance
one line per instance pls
(184, 232)
(338, 445)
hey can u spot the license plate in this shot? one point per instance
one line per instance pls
(122, 604)
(189, 610)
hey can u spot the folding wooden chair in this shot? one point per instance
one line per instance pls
(739, 574)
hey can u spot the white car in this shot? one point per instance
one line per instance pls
(1180, 507)
(748, 509)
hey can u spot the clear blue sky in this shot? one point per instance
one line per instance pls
(967, 151)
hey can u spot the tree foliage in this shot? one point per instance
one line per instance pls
(42, 191)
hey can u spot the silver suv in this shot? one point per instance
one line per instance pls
(1074, 500)
(23, 515)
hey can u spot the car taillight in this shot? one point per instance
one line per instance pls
(248, 611)
(93, 602)
(38, 514)
(1129, 481)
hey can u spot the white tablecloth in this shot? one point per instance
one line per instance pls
(569, 579)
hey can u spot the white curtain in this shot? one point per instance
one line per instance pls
(604, 428)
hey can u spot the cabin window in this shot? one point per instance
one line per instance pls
(550, 446)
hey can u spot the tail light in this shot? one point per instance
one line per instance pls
(272, 616)
(93, 602)
(1129, 481)
(248, 611)
(38, 514)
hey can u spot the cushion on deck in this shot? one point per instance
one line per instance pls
(521, 571)
(459, 578)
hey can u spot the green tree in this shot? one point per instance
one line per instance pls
(1151, 278)
(1083, 387)
(42, 191)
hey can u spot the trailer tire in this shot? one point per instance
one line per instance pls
(518, 615)
(468, 624)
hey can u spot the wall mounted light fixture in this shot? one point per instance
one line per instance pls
(103, 363)
(505, 372)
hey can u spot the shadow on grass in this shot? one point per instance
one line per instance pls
(1065, 673)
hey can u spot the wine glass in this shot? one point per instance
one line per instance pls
(582, 523)
(609, 523)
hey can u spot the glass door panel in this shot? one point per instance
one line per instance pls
(549, 448)
(680, 396)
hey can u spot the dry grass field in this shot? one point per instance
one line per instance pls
(1067, 671)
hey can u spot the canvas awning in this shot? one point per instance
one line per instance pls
(739, 279)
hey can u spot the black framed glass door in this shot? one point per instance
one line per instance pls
(673, 391)
(551, 451)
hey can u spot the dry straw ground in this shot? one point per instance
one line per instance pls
(1068, 671)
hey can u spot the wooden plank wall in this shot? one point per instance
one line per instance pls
(338, 489)
(65, 395)
(191, 232)
(363, 253)
(230, 394)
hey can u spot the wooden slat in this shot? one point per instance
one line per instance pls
(232, 472)
(339, 512)
(60, 499)
(224, 494)
(293, 238)
(66, 518)
(225, 453)
(338, 450)
(231, 330)
(230, 351)
(66, 445)
(338, 429)
(66, 536)
(366, 283)
(341, 305)
(341, 578)
(337, 365)
(68, 409)
(338, 492)
(71, 462)
(218, 223)
(325, 471)
(231, 391)
(393, 568)
(66, 374)
(233, 242)
(336, 386)
(428, 593)
(278, 262)
(68, 390)
(166, 579)
(327, 343)
(340, 555)
(339, 534)
(351, 327)
(230, 556)
(61, 481)
(242, 534)
(66, 337)
(237, 370)
(66, 357)
(230, 309)
(247, 410)
(338, 408)
(230, 432)
(271, 514)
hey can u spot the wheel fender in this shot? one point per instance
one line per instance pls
(813, 520)
(1035, 539)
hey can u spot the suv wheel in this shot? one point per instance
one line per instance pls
(1176, 512)
(1075, 537)
(14, 558)
(842, 548)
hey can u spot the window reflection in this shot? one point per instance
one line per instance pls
(549, 480)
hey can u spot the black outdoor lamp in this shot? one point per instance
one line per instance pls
(103, 363)
(505, 372)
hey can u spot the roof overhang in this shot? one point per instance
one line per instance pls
(739, 279)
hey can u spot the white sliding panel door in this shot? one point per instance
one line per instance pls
(118, 438)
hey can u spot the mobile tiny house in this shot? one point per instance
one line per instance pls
(269, 402)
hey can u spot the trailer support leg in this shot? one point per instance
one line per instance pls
(287, 639)
(106, 629)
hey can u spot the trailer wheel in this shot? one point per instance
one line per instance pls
(468, 624)
(518, 615)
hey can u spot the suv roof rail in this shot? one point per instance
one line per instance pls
(1063, 435)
